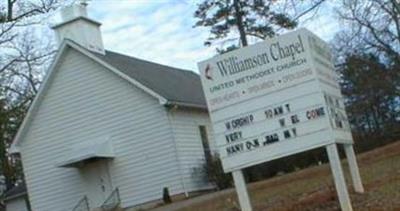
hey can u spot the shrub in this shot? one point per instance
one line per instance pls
(166, 197)
(215, 174)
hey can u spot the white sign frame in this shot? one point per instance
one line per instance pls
(250, 90)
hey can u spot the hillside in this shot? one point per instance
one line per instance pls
(313, 189)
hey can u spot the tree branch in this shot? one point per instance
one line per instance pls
(308, 10)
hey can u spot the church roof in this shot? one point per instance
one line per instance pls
(176, 85)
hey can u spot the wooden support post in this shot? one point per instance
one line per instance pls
(354, 171)
(241, 190)
(338, 177)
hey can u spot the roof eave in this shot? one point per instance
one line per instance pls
(74, 19)
(67, 43)
(21, 130)
(136, 83)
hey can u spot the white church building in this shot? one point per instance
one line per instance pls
(108, 129)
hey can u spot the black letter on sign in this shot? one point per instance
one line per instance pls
(268, 113)
(295, 119)
(228, 125)
(286, 134)
(282, 122)
(287, 107)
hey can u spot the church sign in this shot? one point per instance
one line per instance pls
(273, 99)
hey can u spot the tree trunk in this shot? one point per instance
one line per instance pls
(9, 10)
(375, 119)
(369, 129)
(239, 22)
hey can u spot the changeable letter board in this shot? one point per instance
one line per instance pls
(274, 99)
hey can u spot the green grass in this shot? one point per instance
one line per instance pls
(313, 188)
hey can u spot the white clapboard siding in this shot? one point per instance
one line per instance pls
(84, 102)
(185, 124)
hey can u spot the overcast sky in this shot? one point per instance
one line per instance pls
(162, 30)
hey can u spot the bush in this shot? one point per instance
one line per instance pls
(166, 197)
(215, 174)
(285, 165)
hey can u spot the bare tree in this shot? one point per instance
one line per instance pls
(24, 56)
(374, 24)
(21, 54)
(27, 58)
(368, 51)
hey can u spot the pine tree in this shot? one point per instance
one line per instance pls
(251, 18)
(370, 90)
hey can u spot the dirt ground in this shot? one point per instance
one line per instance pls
(313, 189)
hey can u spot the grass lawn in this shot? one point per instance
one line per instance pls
(313, 189)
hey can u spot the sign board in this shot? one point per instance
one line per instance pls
(274, 99)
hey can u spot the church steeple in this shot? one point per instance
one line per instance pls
(78, 27)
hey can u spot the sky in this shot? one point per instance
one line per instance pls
(162, 30)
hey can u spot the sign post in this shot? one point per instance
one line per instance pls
(277, 98)
(338, 177)
(241, 190)
(355, 174)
